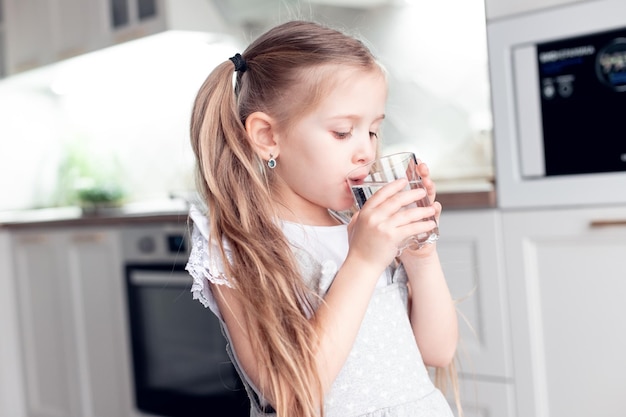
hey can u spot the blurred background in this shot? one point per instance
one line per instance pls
(114, 116)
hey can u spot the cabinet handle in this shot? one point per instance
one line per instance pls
(595, 224)
(88, 238)
(33, 239)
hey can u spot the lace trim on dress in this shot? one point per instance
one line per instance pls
(204, 267)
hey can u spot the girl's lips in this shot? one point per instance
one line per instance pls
(356, 180)
(358, 175)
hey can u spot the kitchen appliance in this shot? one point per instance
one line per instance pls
(180, 365)
(558, 80)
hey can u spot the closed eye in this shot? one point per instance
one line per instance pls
(373, 135)
(342, 135)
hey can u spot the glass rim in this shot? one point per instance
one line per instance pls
(409, 154)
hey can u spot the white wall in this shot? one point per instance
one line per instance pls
(123, 113)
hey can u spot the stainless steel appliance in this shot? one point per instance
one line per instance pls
(180, 365)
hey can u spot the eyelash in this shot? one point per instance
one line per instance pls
(343, 135)
(346, 135)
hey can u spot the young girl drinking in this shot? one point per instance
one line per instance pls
(321, 318)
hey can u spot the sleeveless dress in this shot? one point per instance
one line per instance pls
(384, 375)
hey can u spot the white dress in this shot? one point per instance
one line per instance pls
(384, 375)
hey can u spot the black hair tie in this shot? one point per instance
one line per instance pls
(240, 63)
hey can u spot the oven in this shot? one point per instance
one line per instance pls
(179, 362)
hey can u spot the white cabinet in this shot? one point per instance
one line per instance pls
(43, 32)
(38, 33)
(67, 283)
(471, 256)
(11, 392)
(566, 276)
(485, 398)
(125, 20)
(45, 325)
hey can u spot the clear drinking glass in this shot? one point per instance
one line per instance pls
(369, 178)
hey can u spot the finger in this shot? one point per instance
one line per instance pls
(401, 200)
(438, 209)
(424, 172)
(386, 192)
(431, 189)
(422, 169)
(414, 214)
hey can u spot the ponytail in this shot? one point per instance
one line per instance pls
(233, 183)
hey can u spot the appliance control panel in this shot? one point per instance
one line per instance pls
(156, 243)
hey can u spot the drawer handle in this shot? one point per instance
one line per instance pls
(606, 223)
(32, 240)
(88, 238)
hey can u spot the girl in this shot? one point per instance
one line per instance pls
(321, 318)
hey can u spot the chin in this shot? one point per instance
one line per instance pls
(344, 207)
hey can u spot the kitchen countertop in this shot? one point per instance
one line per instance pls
(452, 196)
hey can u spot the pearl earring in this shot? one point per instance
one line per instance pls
(271, 163)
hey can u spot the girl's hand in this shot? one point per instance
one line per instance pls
(378, 229)
(424, 173)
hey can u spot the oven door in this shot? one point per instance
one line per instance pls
(180, 363)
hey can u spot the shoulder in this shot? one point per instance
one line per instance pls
(205, 263)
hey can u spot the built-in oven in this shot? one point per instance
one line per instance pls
(179, 363)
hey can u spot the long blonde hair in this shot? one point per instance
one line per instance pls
(281, 81)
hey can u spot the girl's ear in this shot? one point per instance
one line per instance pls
(260, 129)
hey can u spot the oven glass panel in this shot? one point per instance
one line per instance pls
(583, 102)
(181, 367)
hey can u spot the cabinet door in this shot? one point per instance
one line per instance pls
(470, 252)
(486, 398)
(132, 19)
(43, 32)
(11, 375)
(48, 351)
(566, 273)
(70, 286)
(28, 31)
(95, 275)
(74, 28)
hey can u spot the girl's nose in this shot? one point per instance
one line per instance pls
(366, 151)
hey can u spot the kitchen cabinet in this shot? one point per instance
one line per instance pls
(39, 33)
(132, 19)
(566, 278)
(484, 398)
(11, 393)
(67, 282)
(471, 255)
